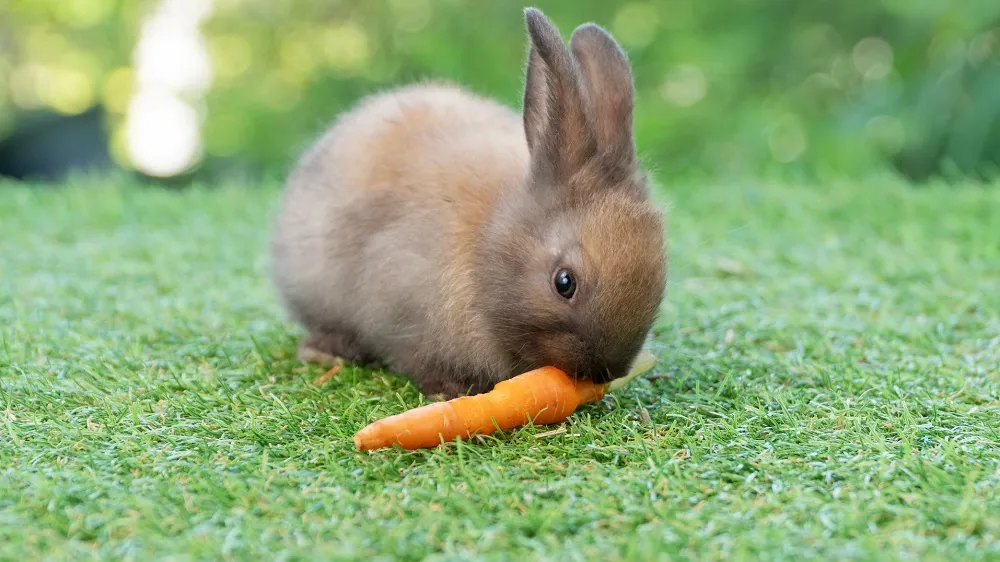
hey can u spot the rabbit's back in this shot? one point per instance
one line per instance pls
(378, 219)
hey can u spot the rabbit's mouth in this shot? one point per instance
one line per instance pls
(599, 371)
(573, 356)
(594, 368)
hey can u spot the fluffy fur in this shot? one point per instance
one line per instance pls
(422, 232)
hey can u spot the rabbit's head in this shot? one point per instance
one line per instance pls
(572, 269)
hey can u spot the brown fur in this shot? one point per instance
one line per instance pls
(422, 231)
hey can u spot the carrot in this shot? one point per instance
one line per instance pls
(543, 396)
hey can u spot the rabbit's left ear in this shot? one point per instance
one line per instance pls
(607, 77)
(556, 121)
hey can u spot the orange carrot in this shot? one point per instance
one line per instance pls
(543, 396)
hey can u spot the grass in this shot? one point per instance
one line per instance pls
(828, 388)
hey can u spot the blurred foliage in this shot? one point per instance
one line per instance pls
(730, 86)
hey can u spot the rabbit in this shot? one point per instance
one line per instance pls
(447, 238)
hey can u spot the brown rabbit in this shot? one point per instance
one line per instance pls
(443, 236)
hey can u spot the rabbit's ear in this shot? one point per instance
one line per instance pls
(556, 124)
(536, 99)
(607, 77)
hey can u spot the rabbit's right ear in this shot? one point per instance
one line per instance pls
(607, 76)
(559, 134)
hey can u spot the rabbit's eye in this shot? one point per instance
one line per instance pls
(565, 283)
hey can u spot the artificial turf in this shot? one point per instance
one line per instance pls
(828, 387)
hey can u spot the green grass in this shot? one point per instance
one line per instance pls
(828, 388)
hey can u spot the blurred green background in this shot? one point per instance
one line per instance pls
(196, 88)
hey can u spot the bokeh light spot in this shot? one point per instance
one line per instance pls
(164, 137)
(786, 138)
(298, 53)
(685, 86)
(345, 47)
(28, 82)
(43, 45)
(232, 54)
(118, 89)
(872, 58)
(172, 56)
(71, 91)
(82, 14)
(635, 24)
(172, 71)
(819, 83)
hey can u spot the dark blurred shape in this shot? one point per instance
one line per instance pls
(49, 146)
(958, 135)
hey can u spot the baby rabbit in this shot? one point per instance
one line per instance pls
(445, 237)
